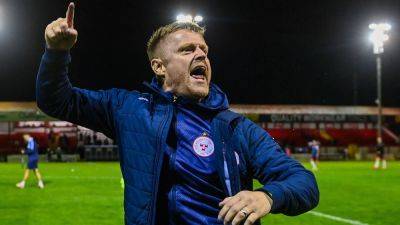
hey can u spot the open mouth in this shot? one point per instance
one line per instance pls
(198, 72)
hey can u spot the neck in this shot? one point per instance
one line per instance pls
(177, 95)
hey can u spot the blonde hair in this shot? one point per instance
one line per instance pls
(164, 31)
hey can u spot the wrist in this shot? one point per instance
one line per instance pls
(267, 194)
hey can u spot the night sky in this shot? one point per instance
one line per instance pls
(264, 52)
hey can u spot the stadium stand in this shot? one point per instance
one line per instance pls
(345, 132)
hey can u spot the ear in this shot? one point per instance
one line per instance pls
(158, 67)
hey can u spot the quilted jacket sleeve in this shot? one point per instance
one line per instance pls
(56, 96)
(293, 188)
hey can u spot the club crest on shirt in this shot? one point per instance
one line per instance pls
(203, 146)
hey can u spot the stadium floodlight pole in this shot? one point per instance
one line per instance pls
(1, 18)
(378, 37)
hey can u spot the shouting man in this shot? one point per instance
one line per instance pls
(185, 158)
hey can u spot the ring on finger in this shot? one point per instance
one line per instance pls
(245, 213)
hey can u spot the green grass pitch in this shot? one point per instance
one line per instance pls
(91, 193)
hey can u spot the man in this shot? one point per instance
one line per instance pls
(64, 143)
(380, 154)
(288, 150)
(314, 145)
(33, 158)
(185, 158)
(52, 141)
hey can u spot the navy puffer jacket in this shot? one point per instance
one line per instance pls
(140, 121)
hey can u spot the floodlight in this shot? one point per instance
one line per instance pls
(378, 36)
(198, 19)
(181, 18)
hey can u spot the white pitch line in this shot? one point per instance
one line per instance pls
(79, 177)
(340, 219)
(76, 177)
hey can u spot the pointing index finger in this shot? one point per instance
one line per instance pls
(70, 15)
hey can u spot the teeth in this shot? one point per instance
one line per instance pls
(198, 76)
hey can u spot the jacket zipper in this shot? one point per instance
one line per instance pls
(226, 170)
(158, 167)
(173, 158)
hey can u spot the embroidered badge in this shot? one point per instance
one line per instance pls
(203, 146)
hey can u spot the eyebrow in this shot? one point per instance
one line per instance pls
(202, 46)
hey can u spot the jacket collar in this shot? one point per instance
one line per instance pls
(215, 101)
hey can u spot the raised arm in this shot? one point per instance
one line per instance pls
(54, 93)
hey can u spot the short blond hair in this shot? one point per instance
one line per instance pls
(164, 31)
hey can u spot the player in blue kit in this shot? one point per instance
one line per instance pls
(314, 145)
(33, 157)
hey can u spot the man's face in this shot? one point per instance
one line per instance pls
(187, 67)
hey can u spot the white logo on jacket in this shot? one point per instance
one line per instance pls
(143, 99)
(237, 158)
(203, 146)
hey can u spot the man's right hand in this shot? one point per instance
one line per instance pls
(60, 34)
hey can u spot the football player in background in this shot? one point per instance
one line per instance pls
(33, 158)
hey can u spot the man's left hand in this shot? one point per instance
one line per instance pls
(245, 205)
